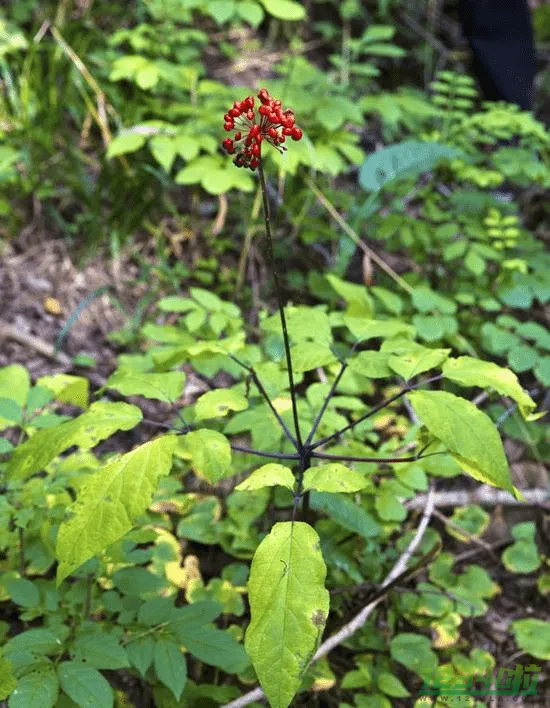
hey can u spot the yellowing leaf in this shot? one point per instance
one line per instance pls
(467, 371)
(467, 432)
(269, 475)
(110, 501)
(99, 422)
(209, 452)
(166, 387)
(333, 477)
(289, 606)
(218, 403)
(67, 389)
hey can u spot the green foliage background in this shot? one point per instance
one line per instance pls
(157, 562)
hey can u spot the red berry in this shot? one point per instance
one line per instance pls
(238, 135)
(272, 133)
(297, 133)
(287, 131)
(256, 150)
(254, 163)
(228, 126)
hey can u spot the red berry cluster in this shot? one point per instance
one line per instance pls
(274, 126)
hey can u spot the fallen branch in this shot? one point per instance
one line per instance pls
(360, 619)
(485, 495)
(8, 331)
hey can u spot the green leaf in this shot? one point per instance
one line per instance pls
(218, 181)
(214, 647)
(74, 390)
(373, 365)
(87, 430)
(170, 666)
(100, 650)
(10, 411)
(23, 592)
(533, 636)
(269, 475)
(85, 685)
(407, 159)
(302, 323)
(311, 355)
(427, 300)
(15, 384)
(414, 652)
(366, 329)
(209, 452)
(522, 358)
(474, 262)
(345, 512)
(289, 607)
(163, 149)
(34, 641)
(110, 501)
(388, 507)
(198, 614)
(417, 360)
(7, 678)
(251, 13)
(140, 653)
(218, 403)
(5, 446)
(187, 146)
(138, 581)
(333, 477)
(285, 9)
(523, 555)
(37, 689)
(221, 10)
(391, 685)
(472, 518)
(166, 387)
(148, 77)
(542, 370)
(467, 371)
(125, 143)
(468, 433)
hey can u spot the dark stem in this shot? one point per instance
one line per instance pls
(325, 404)
(265, 395)
(380, 460)
(260, 453)
(373, 411)
(305, 507)
(278, 291)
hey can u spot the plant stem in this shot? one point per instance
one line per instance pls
(265, 395)
(267, 219)
(386, 402)
(260, 453)
(378, 460)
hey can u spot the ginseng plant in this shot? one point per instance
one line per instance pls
(289, 603)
